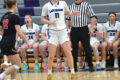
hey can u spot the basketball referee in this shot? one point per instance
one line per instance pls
(80, 32)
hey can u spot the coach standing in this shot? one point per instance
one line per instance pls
(80, 32)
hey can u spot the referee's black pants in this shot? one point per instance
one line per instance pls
(81, 34)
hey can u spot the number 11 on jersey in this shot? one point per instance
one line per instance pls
(56, 15)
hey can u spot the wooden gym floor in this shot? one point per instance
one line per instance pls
(103, 75)
(107, 74)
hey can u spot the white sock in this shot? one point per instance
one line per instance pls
(5, 61)
(103, 61)
(72, 71)
(97, 62)
(79, 59)
(49, 71)
(2, 75)
(116, 61)
(58, 60)
(36, 60)
(24, 61)
(45, 60)
(10, 63)
(66, 62)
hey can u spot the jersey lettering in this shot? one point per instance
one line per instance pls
(30, 37)
(5, 23)
(56, 15)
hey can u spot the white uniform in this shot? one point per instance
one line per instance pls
(111, 30)
(94, 39)
(30, 32)
(58, 33)
(45, 29)
(19, 42)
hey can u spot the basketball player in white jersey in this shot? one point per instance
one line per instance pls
(31, 30)
(43, 47)
(95, 37)
(56, 11)
(111, 32)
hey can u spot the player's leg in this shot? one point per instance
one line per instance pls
(80, 56)
(52, 51)
(52, 45)
(115, 51)
(43, 46)
(16, 64)
(58, 55)
(5, 63)
(65, 60)
(35, 47)
(95, 47)
(65, 43)
(103, 52)
(24, 47)
(67, 49)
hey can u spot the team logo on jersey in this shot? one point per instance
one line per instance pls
(55, 10)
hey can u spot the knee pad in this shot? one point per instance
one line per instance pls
(16, 67)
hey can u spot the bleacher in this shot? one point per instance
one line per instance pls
(34, 7)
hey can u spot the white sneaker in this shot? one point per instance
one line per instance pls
(103, 65)
(80, 64)
(66, 68)
(116, 65)
(5, 65)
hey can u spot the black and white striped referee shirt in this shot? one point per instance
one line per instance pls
(85, 12)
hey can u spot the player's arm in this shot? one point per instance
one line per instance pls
(16, 36)
(99, 35)
(68, 12)
(90, 30)
(105, 36)
(71, 14)
(1, 31)
(105, 32)
(99, 32)
(116, 37)
(68, 23)
(37, 37)
(43, 36)
(118, 33)
(20, 33)
(17, 28)
(44, 14)
(46, 21)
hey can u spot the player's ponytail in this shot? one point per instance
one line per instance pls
(10, 3)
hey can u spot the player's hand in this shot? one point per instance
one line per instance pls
(91, 30)
(30, 45)
(54, 23)
(75, 13)
(27, 44)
